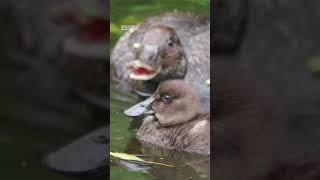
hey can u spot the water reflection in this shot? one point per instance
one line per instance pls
(186, 165)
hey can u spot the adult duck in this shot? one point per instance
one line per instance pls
(169, 46)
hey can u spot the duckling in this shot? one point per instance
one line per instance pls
(169, 46)
(174, 119)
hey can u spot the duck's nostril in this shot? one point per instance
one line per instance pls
(142, 105)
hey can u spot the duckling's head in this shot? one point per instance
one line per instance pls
(175, 102)
(159, 55)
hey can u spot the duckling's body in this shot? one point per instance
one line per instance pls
(193, 136)
(186, 56)
(174, 119)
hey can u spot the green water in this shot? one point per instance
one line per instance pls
(120, 134)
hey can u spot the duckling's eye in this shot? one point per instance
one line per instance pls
(166, 98)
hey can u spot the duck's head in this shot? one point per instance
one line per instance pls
(174, 102)
(158, 56)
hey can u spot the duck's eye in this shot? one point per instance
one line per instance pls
(166, 98)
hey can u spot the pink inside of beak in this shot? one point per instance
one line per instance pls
(140, 70)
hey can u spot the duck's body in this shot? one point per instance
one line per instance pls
(189, 57)
(173, 119)
(199, 66)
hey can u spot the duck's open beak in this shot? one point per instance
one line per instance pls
(141, 109)
(142, 71)
(147, 65)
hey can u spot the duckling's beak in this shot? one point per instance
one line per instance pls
(141, 109)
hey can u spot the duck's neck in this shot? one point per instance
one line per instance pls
(177, 71)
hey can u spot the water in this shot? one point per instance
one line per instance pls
(122, 139)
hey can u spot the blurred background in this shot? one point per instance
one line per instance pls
(278, 42)
(54, 80)
(137, 10)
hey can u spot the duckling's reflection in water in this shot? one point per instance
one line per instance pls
(186, 165)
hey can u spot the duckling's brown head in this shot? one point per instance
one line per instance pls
(159, 55)
(175, 102)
